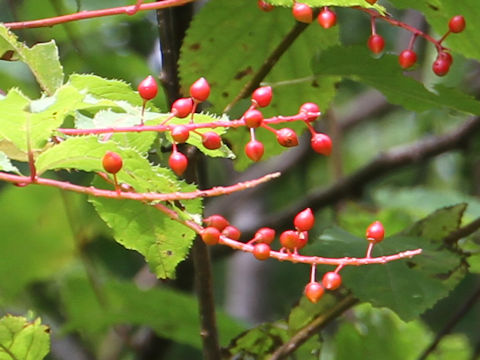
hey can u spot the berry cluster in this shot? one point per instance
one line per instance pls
(376, 43)
(408, 57)
(218, 230)
(252, 119)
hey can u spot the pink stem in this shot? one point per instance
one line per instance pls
(95, 13)
(190, 126)
(90, 190)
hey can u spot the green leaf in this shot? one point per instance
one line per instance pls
(101, 88)
(34, 121)
(302, 314)
(22, 339)
(36, 237)
(377, 334)
(259, 342)
(385, 75)
(170, 313)
(42, 59)
(408, 287)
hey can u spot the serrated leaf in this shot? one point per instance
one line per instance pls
(42, 59)
(102, 88)
(170, 313)
(27, 121)
(385, 75)
(259, 342)
(409, 287)
(22, 339)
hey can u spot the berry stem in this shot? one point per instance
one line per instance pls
(368, 255)
(412, 41)
(90, 14)
(313, 272)
(401, 24)
(252, 134)
(372, 24)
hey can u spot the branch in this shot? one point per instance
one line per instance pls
(114, 194)
(311, 329)
(121, 10)
(391, 160)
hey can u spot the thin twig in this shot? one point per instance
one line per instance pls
(114, 194)
(82, 15)
(311, 329)
(269, 63)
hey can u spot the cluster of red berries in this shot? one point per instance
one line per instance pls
(332, 280)
(407, 58)
(290, 240)
(304, 13)
(252, 118)
(376, 43)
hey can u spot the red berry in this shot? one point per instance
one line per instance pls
(456, 24)
(331, 280)
(264, 6)
(254, 150)
(376, 43)
(148, 88)
(375, 232)
(446, 56)
(441, 66)
(261, 251)
(327, 18)
(407, 58)
(232, 232)
(302, 12)
(210, 235)
(211, 140)
(216, 221)
(321, 143)
(314, 291)
(200, 90)
(287, 137)
(304, 220)
(262, 96)
(112, 162)
(371, 2)
(290, 240)
(178, 162)
(180, 133)
(182, 107)
(264, 235)
(253, 118)
(311, 110)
